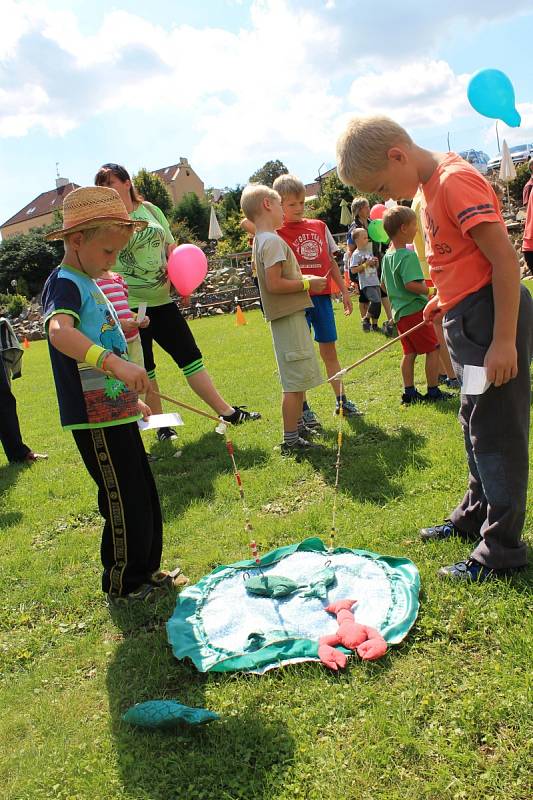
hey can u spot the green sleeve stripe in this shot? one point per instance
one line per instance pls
(68, 311)
(194, 367)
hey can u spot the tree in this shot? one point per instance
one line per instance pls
(327, 206)
(28, 259)
(516, 186)
(152, 188)
(195, 213)
(268, 173)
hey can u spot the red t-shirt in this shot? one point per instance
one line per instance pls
(457, 198)
(309, 242)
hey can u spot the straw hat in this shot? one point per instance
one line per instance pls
(91, 207)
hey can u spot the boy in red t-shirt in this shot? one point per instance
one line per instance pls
(488, 322)
(313, 245)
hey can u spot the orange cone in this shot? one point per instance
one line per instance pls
(241, 319)
(25, 343)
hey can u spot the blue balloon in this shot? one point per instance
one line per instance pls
(491, 93)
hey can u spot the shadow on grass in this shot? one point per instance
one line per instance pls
(9, 475)
(244, 754)
(372, 460)
(191, 477)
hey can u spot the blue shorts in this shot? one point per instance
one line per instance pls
(321, 318)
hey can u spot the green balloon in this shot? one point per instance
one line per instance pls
(376, 231)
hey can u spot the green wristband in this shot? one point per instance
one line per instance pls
(93, 354)
(306, 284)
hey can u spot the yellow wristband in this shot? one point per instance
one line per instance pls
(306, 283)
(93, 354)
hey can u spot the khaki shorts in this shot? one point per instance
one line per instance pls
(295, 353)
(135, 351)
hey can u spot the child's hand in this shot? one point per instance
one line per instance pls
(501, 362)
(129, 326)
(347, 302)
(144, 409)
(316, 283)
(144, 323)
(133, 376)
(432, 312)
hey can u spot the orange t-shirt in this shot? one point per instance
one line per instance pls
(527, 244)
(457, 198)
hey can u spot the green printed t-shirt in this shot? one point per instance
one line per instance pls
(397, 269)
(142, 262)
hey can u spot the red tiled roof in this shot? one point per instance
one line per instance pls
(166, 173)
(45, 203)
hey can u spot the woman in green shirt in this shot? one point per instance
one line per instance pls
(142, 263)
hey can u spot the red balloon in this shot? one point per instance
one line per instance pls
(377, 211)
(187, 268)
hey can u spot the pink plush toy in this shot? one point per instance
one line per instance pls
(367, 642)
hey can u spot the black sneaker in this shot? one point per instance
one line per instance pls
(453, 383)
(240, 415)
(407, 399)
(301, 446)
(388, 329)
(147, 592)
(437, 533)
(472, 570)
(443, 379)
(366, 325)
(169, 580)
(437, 396)
(166, 434)
(305, 431)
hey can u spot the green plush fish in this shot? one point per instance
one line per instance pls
(271, 586)
(278, 586)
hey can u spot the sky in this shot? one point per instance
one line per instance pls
(231, 84)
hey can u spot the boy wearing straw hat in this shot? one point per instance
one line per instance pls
(97, 390)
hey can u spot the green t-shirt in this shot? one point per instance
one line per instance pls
(143, 262)
(398, 268)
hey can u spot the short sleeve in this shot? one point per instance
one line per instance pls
(169, 239)
(470, 200)
(332, 244)
(122, 283)
(410, 268)
(273, 250)
(62, 297)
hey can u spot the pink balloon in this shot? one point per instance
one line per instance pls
(377, 211)
(187, 268)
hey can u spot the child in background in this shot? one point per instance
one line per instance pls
(313, 245)
(364, 269)
(115, 289)
(488, 322)
(285, 296)
(97, 393)
(403, 278)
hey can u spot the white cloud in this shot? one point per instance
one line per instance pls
(416, 94)
(269, 90)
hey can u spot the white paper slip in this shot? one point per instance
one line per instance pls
(141, 312)
(474, 380)
(160, 421)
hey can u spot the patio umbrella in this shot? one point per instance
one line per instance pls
(214, 227)
(346, 216)
(507, 167)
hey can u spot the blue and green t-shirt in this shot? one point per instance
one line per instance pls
(87, 397)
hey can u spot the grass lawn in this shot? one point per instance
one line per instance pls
(445, 715)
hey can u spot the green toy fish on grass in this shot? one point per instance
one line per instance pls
(277, 586)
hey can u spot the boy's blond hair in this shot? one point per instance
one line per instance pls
(287, 185)
(362, 148)
(394, 218)
(356, 233)
(252, 199)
